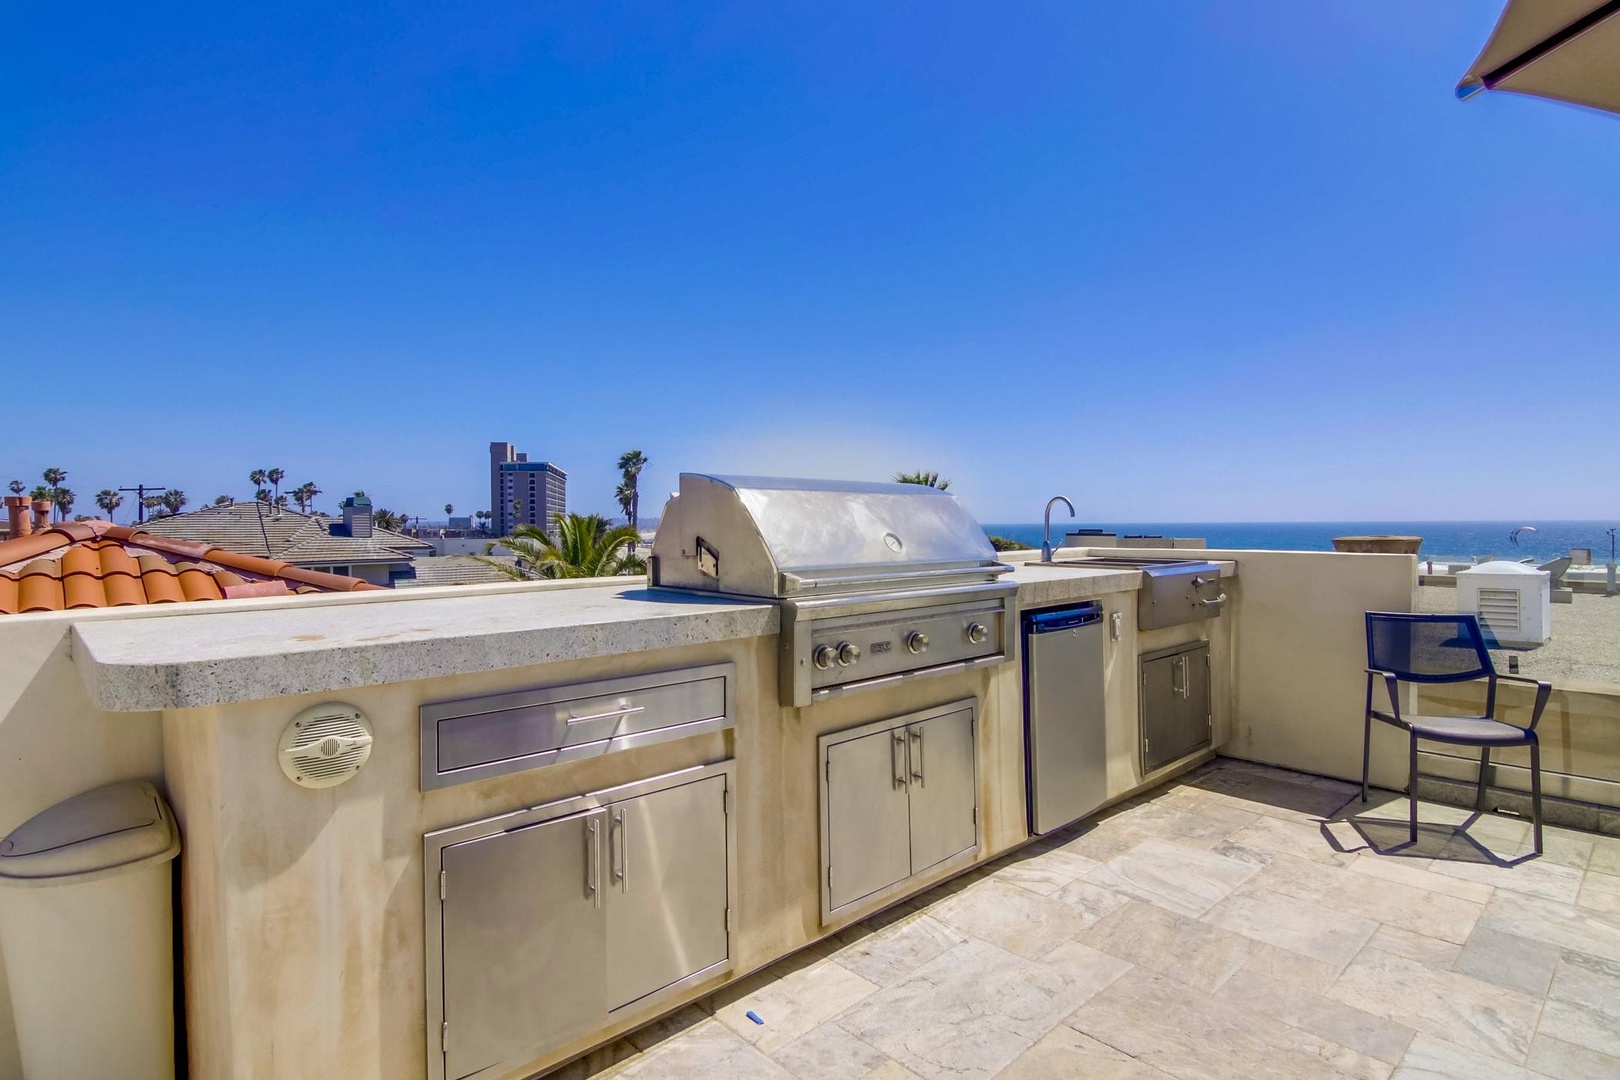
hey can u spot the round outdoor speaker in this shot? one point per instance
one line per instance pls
(325, 745)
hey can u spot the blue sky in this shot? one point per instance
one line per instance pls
(1236, 261)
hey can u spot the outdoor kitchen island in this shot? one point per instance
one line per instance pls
(310, 914)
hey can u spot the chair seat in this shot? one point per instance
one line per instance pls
(1473, 730)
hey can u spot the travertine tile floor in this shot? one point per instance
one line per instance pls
(1243, 922)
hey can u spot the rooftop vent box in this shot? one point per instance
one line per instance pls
(1513, 601)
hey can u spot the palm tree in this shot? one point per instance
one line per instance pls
(62, 498)
(585, 546)
(448, 510)
(109, 500)
(154, 505)
(304, 496)
(17, 487)
(387, 519)
(275, 476)
(257, 478)
(224, 500)
(483, 519)
(926, 479)
(279, 502)
(625, 495)
(631, 462)
(172, 501)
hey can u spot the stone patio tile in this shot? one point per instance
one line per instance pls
(1564, 925)
(1303, 973)
(1092, 901)
(1281, 796)
(891, 1070)
(1410, 872)
(709, 1050)
(1376, 1036)
(1445, 1004)
(604, 1061)
(1418, 910)
(1605, 855)
(890, 953)
(1066, 1054)
(1186, 1033)
(1600, 892)
(1185, 880)
(1016, 919)
(1185, 949)
(1566, 1061)
(1044, 872)
(792, 997)
(1534, 876)
(1297, 838)
(669, 1026)
(1419, 947)
(1430, 1058)
(971, 1011)
(1332, 937)
(829, 1053)
(1518, 963)
(1583, 1005)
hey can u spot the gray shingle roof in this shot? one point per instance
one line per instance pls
(455, 570)
(255, 528)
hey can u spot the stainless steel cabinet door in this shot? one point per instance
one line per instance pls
(524, 935)
(943, 789)
(868, 829)
(1175, 707)
(666, 888)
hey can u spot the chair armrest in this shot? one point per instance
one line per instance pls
(1393, 682)
(1543, 692)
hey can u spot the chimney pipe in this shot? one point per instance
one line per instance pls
(17, 514)
(42, 515)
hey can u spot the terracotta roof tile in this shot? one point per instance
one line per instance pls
(89, 564)
(38, 588)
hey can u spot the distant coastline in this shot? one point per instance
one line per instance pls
(1441, 539)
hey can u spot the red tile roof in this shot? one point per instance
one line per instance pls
(92, 564)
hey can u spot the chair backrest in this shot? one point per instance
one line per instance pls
(1427, 648)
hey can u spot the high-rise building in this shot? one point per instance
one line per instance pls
(524, 492)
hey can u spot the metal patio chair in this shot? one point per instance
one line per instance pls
(1415, 648)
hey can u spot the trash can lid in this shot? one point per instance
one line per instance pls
(109, 829)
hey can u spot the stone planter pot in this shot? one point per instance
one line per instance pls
(1379, 545)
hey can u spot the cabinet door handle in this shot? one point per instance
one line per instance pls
(628, 710)
(897, 758)
(621, 856)
(1178, 676)
(917, 766)
(593, 862)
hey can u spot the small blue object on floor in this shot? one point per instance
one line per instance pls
(754, 1016)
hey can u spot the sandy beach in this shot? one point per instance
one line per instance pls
(1585, 645)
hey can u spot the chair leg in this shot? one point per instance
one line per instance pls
(1484, 768)
(1366, 757)
(1535, 792)
(1411, 790)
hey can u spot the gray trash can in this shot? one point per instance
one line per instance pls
(87, 933)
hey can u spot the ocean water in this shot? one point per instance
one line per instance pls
(1441, 539)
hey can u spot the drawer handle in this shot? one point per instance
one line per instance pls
(1217, 602)
(628, 710)
(897, 759)
(917, 766)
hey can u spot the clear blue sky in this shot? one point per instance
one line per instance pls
(1235, 261)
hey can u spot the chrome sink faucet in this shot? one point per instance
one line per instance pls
(1046, 537)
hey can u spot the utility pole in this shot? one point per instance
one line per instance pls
(140, 491)
(1610, 588)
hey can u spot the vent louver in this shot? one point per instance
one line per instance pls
(325, 745)
(1499, 609)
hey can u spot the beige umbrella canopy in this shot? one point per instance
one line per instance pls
(1568, 50)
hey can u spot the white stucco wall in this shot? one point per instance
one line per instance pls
(54, 743)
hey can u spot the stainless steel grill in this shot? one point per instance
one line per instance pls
(878, 583)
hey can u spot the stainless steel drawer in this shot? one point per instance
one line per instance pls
(475, 738)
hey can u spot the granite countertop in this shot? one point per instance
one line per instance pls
(214, 658)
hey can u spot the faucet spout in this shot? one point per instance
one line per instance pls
(1046, 536)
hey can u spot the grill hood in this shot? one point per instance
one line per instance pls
(779, 538)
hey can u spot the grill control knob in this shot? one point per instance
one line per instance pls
(977, 632)
(848, 653)
(823, 657)
(917, 641)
